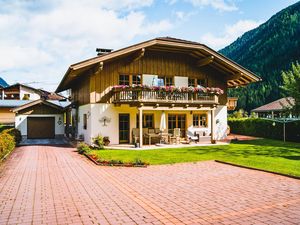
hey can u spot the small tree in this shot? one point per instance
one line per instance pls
(291, 85)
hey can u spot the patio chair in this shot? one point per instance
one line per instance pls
(192, 136)
(176, 136)
(135, 135)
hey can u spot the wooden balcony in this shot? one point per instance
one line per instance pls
(130, 96)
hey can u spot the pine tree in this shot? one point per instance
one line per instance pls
(291, 85)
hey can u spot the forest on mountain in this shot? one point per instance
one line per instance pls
(267, 50)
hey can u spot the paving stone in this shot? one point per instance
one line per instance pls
(55, 185)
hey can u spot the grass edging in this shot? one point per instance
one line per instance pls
(117, 165)
(261, 170)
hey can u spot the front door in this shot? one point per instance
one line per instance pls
(177, 121)
(124, 128)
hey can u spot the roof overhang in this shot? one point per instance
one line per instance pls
(237, 75)
(37, 102)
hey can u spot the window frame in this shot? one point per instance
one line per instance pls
(199, 120)
(121, 81)
(144, 120)
(84, 121)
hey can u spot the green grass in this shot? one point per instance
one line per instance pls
(271, 155)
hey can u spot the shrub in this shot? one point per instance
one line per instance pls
(15, 133)
(138, 161)
(7, 144)
(83, 148)
(265, 128)
(99, 141)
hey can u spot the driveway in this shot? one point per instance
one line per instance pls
(55, 185)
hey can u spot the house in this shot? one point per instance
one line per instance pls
(162, 85)
(17, 95)
(7, 117)
(24, 92)
(275, 109)
(41, 119)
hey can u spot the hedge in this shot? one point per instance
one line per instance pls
(264, 128)
(9, 138)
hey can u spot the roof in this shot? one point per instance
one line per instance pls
(12, 103)
(241, 76)
(50, 95)
(3, 83)
(60, 105)
(277, 105)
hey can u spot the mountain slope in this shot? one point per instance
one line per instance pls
(267, 51)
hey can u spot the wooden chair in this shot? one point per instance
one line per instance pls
(176, 136)
(135, 135)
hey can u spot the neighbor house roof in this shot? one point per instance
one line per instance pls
(61, 105)
(13, 103)
(239, 75)
(3, 83)
(277, 105)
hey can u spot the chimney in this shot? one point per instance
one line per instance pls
(102, 51)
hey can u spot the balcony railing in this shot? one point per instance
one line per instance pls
(152, 96)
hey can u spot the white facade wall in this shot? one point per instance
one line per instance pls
(96, 112)
(33, 95)
(21, 123)
(221, 122)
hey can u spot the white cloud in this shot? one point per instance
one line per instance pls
(231, 33)
(39, 41)
(221, 5)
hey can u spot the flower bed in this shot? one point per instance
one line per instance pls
(86, 150)
(200, 89)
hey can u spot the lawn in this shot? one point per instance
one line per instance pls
(271, 155)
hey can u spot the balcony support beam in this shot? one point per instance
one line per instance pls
(213, 124)
(141, 126)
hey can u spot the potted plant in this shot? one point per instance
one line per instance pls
(106, 141)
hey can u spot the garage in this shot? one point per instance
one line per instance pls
(41, 119)
(40, 127)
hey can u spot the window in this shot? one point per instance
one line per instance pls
(192, 82)
(201, 82)
(177, 121)
(200, 120)
(123, 79)
(148, 121)
(160, 81)
(136, 79)
(85, 121)
(26, 97)
(169, 81)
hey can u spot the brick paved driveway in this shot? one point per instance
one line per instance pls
(55, 185)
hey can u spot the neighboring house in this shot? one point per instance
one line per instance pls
(17, 95)
(41, 118)
(157, 84)
(7, 117)
(276, 109)
(23, 92)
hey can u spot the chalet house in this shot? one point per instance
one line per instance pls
(171, 88)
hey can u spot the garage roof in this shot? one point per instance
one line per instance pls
(13, 103)
(52, 103)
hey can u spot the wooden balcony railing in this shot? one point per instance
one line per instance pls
(151, 96)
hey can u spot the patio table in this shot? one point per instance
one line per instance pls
(152, 135)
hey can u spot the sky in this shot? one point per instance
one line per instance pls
(40, 39)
